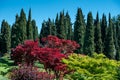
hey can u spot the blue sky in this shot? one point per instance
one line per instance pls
(44, 9)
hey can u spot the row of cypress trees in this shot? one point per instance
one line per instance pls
(93, 35)
(21, 30)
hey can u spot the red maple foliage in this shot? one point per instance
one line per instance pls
(25, 53)
(65, 46)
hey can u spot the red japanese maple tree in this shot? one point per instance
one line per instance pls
(50, 54)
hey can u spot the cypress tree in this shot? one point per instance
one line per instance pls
(103, 30)
(44, 30)
(61, 28)
(22, 27)
(118, 38)
(89, 36)
(79, 30)
(97, 36)
(15, 33)
(68, 27)
(109, 44)
(29, 27)
(57, 24)
(49, 26)
(35, 30)
(5, 37)
(54, 31)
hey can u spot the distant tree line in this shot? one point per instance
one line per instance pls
(93, 35)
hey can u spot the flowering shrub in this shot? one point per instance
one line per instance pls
(25, 72)
(65, 46)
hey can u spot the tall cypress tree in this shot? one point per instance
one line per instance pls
(118, 38)
(6, 37)
(54, 31)
(104, 30)
(29, 27)
(22, 27)
(35, 30)
(57, 24)
(68, 27)
(89, 36)
(109, 44)
(15, 33)
(61, 28)
(97, 36)
(79, 30)
(44, 30)
(49, 26)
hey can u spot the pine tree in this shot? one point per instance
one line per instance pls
(79, 30)
(57, 24)
(35, 30)
(103, 30)
(89, 36)
(97, 36)
(109, 44)
(68, 27)
(5, 37)
(22, 27)
(15, 33)
(29, 27)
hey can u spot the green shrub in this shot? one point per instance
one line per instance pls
(97, 67)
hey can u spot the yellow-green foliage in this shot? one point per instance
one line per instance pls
(97, 67)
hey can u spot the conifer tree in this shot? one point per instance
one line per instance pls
(35, 30)
(118, 38)
(57, 24)
(79, 30)
(97, 35)
(22, 27)
(29, 27)
(89, 36)
(44, 31)
(54, 31)
(61, 28)
(15, 33)
(109, 44)
(68, 27)
(5, 37)
(103, 30)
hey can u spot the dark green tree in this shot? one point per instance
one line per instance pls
(5, 37)
(68, 27)
(97, 36)
(103, 30)
(118, 37)
(89, 36)
(44, 31)
(22, 27)
(79, 30)
(57, 24)
(35, 30)
(15, 33)
(109, 44)
(54, 30)
(29, 27)
(61, 28)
